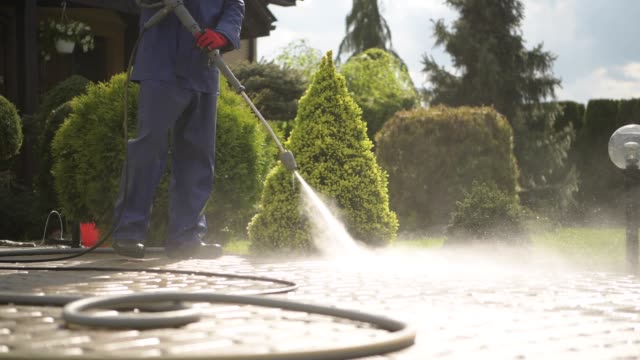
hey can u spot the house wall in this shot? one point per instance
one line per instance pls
(246, 52)
(109, 29)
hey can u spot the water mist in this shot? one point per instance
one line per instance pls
(329, 234)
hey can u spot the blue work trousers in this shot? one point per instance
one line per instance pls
(192, 116)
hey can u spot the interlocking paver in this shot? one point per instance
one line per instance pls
(462, 307)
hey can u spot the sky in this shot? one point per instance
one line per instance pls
(596, 42)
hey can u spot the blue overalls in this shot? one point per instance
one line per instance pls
(178, 90)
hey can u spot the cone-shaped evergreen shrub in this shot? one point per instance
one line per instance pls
(10, 129)
(334, 154)
(89, 150)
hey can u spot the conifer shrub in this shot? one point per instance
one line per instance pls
(380, 84)
(60, 94)
(434, 155)
(273, 89)
(487, 214)
(89, 151)
(334, 156)
(10, 129)
(54, 109)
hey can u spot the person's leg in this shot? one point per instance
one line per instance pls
(159, 105)
(192, 175)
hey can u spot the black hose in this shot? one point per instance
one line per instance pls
(400, 335)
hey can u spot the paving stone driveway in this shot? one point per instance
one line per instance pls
(463, 306)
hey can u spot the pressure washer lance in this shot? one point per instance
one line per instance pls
(177, 7)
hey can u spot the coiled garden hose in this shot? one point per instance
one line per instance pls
(400, 335)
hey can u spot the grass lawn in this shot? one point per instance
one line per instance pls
(237, 247)
(585, 247)
(593, 248)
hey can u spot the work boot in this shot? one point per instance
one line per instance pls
(129, 248)
(198, 250)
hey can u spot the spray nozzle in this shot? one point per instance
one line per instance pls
(288, 160)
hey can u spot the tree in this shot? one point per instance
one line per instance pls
(488, 50)
(298, 55)
(495, 69)
(380, 84)
(334, 156)
(366, 29)
(274, 90)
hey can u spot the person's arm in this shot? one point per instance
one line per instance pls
(230, 23)
(226, 34)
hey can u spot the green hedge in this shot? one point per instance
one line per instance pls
(628, 112)
(433, 156)
(88, 153)
(602, 186)
(334, 154)
(600, 181)
(572, 113)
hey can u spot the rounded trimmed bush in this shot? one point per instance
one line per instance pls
(434, 155)
(88, 151)
(334, 156)
(10, 129)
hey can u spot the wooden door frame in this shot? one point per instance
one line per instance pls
(10, 71)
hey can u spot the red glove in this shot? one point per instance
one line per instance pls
(210, 40)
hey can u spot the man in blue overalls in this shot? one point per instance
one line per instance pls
(178, 91)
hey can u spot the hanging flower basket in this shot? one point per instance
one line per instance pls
(54, 32)
(65, 46)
